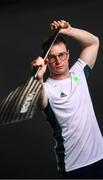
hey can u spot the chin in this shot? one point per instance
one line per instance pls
(60, 72)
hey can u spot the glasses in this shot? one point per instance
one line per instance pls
(62, 56)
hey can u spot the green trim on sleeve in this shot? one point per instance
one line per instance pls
(87, 71)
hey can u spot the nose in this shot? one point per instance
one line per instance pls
(57, 60)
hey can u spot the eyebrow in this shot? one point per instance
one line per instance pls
(56, 54)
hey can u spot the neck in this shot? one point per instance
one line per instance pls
(60, 76)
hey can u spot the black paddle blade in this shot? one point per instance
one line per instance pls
(21, 103)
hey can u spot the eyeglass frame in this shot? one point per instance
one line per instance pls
(59, 56)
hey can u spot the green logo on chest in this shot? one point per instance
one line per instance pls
(76, 79)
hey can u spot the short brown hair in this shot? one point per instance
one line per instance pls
(46, 44)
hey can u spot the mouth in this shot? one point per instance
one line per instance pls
(60, 67)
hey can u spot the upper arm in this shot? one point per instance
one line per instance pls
(89, 53)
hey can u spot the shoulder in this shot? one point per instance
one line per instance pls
(81, 67)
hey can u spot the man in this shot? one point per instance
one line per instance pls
(66, 101)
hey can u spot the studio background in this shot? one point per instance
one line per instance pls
(26, 148)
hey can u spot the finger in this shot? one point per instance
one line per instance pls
(34, 62)
(64, 24)
(53, 27)
(59, 23)
(62, 21)
(54, 24)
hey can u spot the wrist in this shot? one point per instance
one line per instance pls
(67, 31)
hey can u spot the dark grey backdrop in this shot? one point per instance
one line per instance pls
(26, 148)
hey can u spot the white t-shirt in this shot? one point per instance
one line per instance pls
(79, 140)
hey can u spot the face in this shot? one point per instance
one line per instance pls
(58, 60)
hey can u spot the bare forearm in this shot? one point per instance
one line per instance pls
(43, 98)
(84, 37)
